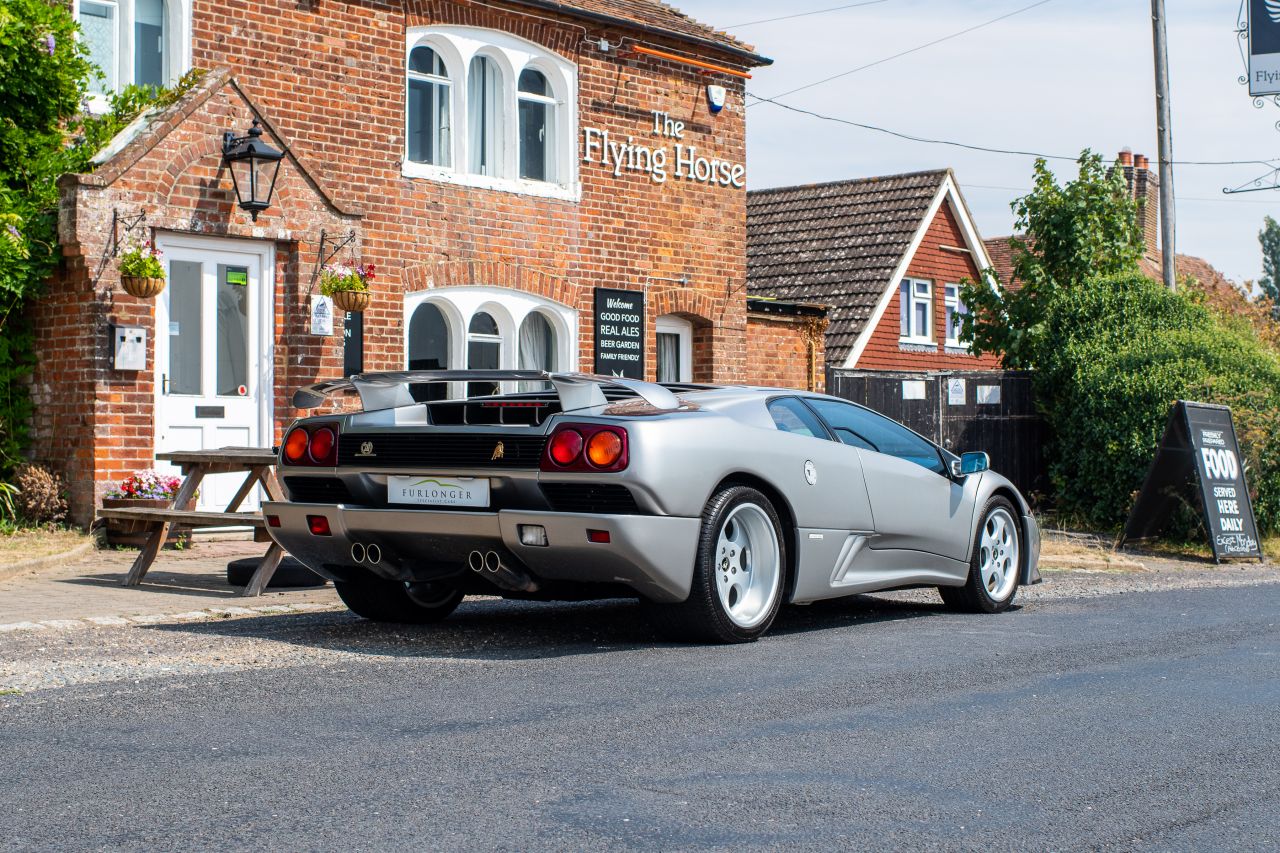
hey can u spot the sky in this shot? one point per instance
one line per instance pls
(1067, 75)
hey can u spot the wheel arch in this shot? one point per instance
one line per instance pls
(785, 514)
(1024, 556)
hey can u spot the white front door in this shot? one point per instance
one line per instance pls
(213, 353)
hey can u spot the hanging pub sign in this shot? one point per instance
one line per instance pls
(1264, 47)
(353, 343)
(619, 322)
(1199, 446)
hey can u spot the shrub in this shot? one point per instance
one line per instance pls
(1111, 358)
(40, 496)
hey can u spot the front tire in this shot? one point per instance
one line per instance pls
(392, 601)
(739, 573)
(996, 565)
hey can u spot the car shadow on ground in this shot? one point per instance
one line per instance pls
(494, 629)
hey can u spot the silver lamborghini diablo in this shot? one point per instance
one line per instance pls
(715, 505)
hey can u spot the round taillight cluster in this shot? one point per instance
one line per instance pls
(566, 446)
(316, 444)
(586, 447)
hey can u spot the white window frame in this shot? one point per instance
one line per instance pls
(457, 46)
(915, 291)
(553, 144)
(953, 305)
(435, 80)
(177, 44)
(509, 308)
(669, 324)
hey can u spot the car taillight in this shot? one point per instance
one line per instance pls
(586, 447)
(604, 448)
(295, 445)
(323, 443)
(565, 447)
(312, 444)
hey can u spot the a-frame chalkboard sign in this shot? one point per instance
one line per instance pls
(1199, 447)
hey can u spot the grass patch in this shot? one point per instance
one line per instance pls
(10, 691)
(32, 543)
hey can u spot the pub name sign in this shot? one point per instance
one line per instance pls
(660, 161)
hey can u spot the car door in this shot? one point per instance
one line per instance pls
(914, 504)
(827, 491)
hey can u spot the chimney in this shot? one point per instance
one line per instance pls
(1144, 187)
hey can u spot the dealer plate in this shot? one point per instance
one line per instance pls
(434, 490)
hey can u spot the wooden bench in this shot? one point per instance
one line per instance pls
(255, 462)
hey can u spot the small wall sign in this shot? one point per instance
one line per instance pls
(353, 343)
(321, 315)
(619, 326)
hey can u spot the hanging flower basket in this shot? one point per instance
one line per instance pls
(351, 300)
(142, 270)
(145, 287)
(347, 284)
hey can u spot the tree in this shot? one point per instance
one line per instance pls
(1269, 237)
(1085, 228)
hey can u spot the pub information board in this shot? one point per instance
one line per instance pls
(619, 325)
(353, 343)
(1199, 443)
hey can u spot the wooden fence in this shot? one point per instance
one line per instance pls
(992, 411)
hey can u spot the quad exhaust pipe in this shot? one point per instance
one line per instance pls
(490, 565)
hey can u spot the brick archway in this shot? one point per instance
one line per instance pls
(496, 274)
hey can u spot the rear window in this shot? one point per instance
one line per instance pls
(790, 415)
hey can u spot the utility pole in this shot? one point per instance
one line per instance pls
(1164, 130)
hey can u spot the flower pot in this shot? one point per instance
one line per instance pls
(351, 300)
(133, 534)
(145, 287)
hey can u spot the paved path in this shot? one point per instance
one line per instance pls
(1124, 721)
(181, 582)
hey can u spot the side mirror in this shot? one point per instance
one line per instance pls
(970, 463)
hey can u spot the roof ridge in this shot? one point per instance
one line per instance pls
(852, 181)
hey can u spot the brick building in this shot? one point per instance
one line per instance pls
(501, 163)
(886, 254)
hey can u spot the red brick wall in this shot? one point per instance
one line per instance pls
(328, 78)
(780, 354)
(931, 261)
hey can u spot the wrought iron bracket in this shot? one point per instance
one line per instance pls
(130, 223)
(331, 245)
(1269, 181)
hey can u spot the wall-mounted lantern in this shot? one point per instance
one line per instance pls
(253, 165)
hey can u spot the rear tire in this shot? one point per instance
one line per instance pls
(996, 565)
(390, 601)
(739, 573)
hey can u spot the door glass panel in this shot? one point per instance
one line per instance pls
(668, 357)
(233, 331)
(185, 327)
(864, 428)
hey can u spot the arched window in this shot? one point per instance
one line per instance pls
(429, 348)
(484, 111)
(537, 343)
(484, 351)
(537, 107)
(428, 133)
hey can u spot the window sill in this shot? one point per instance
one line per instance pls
(908, 345)
(538, 189)
(957, 349)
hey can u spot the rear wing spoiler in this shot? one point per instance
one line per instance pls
(391, 390)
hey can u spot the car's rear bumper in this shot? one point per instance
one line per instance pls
(652, 554)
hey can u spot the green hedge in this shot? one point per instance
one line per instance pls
(1113, 355)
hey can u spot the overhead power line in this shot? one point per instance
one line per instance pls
(806, 14)
(983, 148)
(909, 51)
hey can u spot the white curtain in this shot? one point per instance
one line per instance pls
(668, 357)
(484, 105)
(537, 347)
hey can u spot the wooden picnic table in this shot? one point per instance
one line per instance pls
(256, 463)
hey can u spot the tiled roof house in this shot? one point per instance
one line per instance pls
(887, 254)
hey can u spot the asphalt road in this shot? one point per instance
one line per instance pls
(1144, 721)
